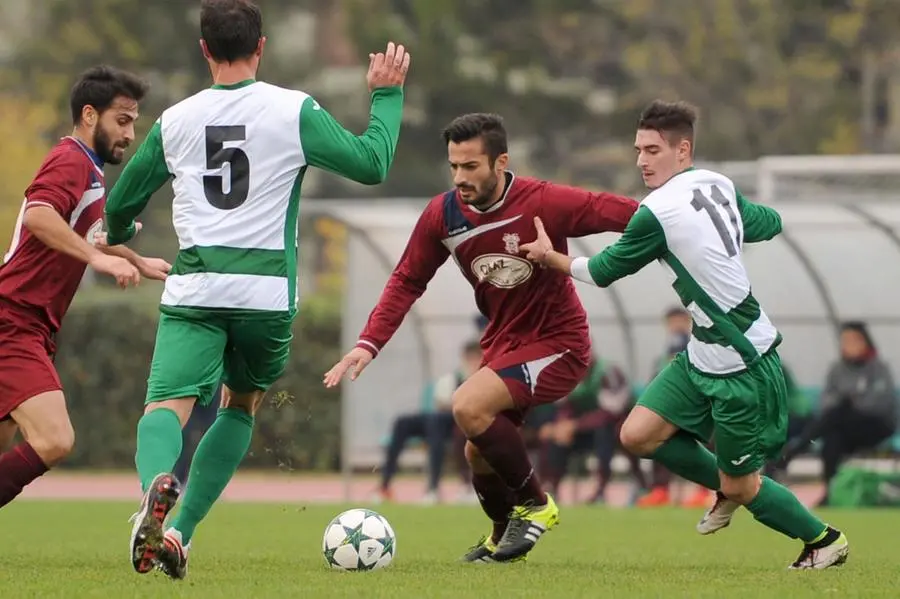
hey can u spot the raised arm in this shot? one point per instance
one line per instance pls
(365, 158)
(761, 223)
(576, 212)
(145, 173)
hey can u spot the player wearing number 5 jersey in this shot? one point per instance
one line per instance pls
(729, 383)
(236, 154)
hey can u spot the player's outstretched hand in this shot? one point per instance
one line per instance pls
(537, 250)
(388, 68)
(154, 268)
(122, 270)
(355, 361)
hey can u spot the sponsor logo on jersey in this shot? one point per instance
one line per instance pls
(511, 243)
(501, 270)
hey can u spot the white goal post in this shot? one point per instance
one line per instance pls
(827, 178)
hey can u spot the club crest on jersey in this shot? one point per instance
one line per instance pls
(511, 243)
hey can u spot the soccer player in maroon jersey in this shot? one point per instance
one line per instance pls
(537, 343)
(52, 244)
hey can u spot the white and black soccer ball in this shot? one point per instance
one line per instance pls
(359, 539)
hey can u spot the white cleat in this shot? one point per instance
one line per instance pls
(172, 557)
(718, 516)
(830, 551)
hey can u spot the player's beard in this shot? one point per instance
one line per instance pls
(105, 148)
(484, 197)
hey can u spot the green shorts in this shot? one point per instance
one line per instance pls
(197, 349)
(745, 414)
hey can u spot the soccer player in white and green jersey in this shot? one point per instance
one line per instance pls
(729, 383)
(236, 153)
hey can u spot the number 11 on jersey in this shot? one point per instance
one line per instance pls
(701, 202)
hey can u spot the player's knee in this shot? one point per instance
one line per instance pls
(53, 442)
(635, 440)
(740, 489)
(644, 431)
(467, 413)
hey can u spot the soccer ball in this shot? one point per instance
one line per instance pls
(359, 539)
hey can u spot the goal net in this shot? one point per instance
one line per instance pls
(836, 179)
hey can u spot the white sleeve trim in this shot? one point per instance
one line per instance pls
(581, 271)
(369, 344)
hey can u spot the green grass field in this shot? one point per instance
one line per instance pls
(70, 549)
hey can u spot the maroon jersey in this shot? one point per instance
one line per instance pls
(524, 303)
(34, 277)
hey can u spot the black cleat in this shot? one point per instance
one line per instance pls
(483, 551)
(147, 533)
(527, 523)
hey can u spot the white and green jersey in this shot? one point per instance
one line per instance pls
(237, 155)
(696, 225)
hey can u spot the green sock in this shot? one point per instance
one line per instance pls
(217, 458)
(779, 509)
(158, 444)
(684, 456)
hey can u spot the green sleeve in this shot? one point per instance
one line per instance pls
(365, 158)
(761, 223)
(642, 242)
(143, 175)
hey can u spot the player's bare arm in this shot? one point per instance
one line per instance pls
(48, 226)
(152, 268)
(642, 242)
(541, 251)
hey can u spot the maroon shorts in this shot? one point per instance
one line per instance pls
(539, 374)
(26, 366)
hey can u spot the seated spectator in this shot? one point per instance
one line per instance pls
(435, 427)
(858, 407)
(588, 420)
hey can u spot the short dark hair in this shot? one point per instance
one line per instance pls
(231, 28)
(673, 120)
(489, 127)
(100, 86)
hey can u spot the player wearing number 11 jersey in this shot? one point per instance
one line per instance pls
(236, 154)
(729, 383)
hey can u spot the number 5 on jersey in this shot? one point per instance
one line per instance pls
(217, 156)
(701, 202)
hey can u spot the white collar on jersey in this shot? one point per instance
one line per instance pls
(499, 203)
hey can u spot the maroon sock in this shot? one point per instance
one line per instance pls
(18, 467)
(502, 446)
(496, 500)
